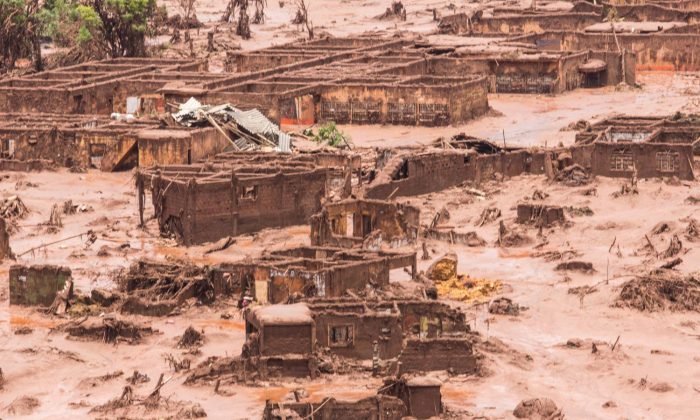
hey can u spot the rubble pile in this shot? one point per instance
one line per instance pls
(661, 290)
(13, 209)
(109, 330)
(573, 176)
(190, 338)
(511, 237)
(538, 409)
(157, 289)
(504, 306)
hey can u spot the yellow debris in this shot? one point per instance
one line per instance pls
(449, 284)
(467, 289)
(444, 268)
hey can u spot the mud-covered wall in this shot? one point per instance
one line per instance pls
(381, 407)
(278, 340)
(654, 52)
(437, 354)
(211, 210)
(37, 284)
(518, 24)
(647, 159)
(455, 101)
(364, 329)
(356, 276)
(28, 99)
(425, 401)
(423, 173)
(430, 319)
(5, 250)
(65, 146)
(347, 223)
(432, 172)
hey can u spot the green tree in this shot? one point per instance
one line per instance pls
(20, 29)
(124, 24)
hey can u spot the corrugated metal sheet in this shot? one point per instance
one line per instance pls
(193, 112)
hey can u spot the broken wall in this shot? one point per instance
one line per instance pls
(207, 211)
(380, 407)
(5, 250)
(279, 340)
(455, 354)
(654, 52)
(37, 284)
(352, 335)
(538, 23)
(348, 223)
(406, 175)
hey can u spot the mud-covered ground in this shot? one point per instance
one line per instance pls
(653, 373)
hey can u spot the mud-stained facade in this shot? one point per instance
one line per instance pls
(285, 275)
(353, 223)
(645, 147)
(236, 193)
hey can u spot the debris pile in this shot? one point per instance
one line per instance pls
(580, 266)
(508, 238)
(692, 231)
(13, 209)
(55, 221)
(152, 405)
(627, 189)
(504, 306)
(675, 246)
(540, 214)
(579, 211)
(573, 176)
(449, 284)
(396, 10)
(488, 215)
(157, 289)
(538, 409)
(191, 338)
(109, 330)
(661, 290)
(246, 130)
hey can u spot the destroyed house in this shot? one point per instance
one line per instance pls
(656, 49)
(357, 329)
(642, 146)
(242, 192)
(407, 174)
(92, 141)
(520, 68)
(351, 222)
(516, 22)
(123, 85)
(348, 80)
(580, 17)
(312, 271)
